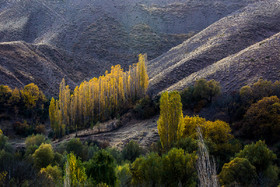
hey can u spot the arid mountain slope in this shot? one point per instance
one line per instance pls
(261, 60)
(27, 21)
(225, 37)
(22, 63)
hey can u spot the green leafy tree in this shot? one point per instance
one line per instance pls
(75, 174)
(175, 116)
(262, 120)
(188, 99)
(262, 88)
(37, 140)
(188, 144)
(58, 159)
(262, 158)
(207, 90)
(163, 122)
(43, 156)
(124, 175)
(75, 146)
(101, 168)
(173, 169)
(239, 171)
(179, 168)
(131, 151)
(4, 143)
(147, 171)
(52, 175)
(32, 143)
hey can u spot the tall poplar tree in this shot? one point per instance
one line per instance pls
(176, 115)
(52, 113)
(163, 122)
(144, 79)
(170, 119)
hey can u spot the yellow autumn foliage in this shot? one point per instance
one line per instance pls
(99, 98)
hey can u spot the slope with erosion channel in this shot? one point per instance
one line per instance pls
(226, 37)
(261, 60)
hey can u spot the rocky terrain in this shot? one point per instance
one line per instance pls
(95, 35)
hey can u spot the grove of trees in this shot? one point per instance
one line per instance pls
(99, 98)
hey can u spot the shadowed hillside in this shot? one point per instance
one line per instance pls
(22, 63)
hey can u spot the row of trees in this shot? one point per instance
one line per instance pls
(98, 99)
(72, 163)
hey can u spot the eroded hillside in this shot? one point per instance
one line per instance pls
(22, 63)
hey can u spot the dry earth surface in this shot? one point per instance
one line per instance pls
(143, 132)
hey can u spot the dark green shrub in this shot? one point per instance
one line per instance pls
(131, 151)
(239, 171)
(146, 108)
(101, 168)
